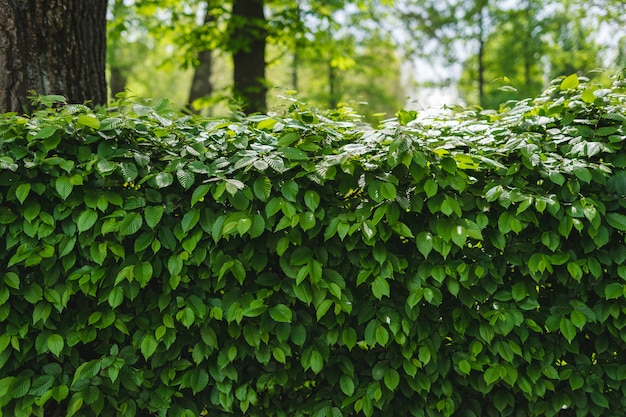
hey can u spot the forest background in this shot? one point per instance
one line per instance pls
(372, 55)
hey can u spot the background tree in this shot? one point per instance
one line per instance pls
(194, 40)
(247, 41)
(526, 43)
(52, 47)
(333, 52)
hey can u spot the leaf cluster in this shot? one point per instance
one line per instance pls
(466, 264)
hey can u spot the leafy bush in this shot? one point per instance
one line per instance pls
(469, 264)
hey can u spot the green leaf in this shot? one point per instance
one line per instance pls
(148, 346)
(616, 220)
(198, 380)
(186, 316)
(153, 215)
(492, 374)
(311, 200)
(55, 343)
(190, 219)
(578, 319)
(567, 329)
(424, 354)
(63, 186)
(266, 124)
(290, 190)
(614, 290)
(45, 132)
(316, 362)
(576, 381)
(392, 379)
(143, 273)
(87, 370)
(288, 138)
(388, 190)
(406, 116)
(588, 96)
(41, 312)
(424, 242)
(380, 288)
(19, 387)
(281, 313)
(349, 337)
(86, 220)
(21, 192)
(234, 185)
(430, 187)
(33, 294)
(198, 194)
(115, 297)
(164, 179)
(130, 224)
(11, 279)
(105, 167)
(570, 81)
(323, 308)
(89, 121)
(465, 367)
(458, 235)
(262, 188)
(293, 154)
(599, 399)
(185, 178)
(346, 383)
(76, 402)
(301, 256)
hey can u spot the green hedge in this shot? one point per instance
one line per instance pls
(469, 264)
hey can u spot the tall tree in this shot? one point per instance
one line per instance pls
(247, 41)
(201, 85)
(52, 47)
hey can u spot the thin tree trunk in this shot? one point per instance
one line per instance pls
(332, 87)
(52, 47)
(527, 50)
(481, 52)
(117, 80)
(295, 63)
(481, 72)
(294, 68)
(201, 85)
(247, 43)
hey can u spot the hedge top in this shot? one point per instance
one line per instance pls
(305, 264)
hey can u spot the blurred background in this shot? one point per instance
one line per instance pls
(375, 56)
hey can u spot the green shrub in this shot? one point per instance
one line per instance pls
(468, 264)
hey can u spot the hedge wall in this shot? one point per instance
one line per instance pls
(469, 264)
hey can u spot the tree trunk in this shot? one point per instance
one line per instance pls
(482, 36)
(527, 50)
(247, 43)
(333, 100)
(52, 47)
(201, 85)
(117, 80)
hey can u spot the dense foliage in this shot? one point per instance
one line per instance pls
(466, 264)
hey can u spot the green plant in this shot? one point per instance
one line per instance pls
(465, 264)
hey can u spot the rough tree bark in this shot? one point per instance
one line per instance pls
(247, 43)
(52, 47)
